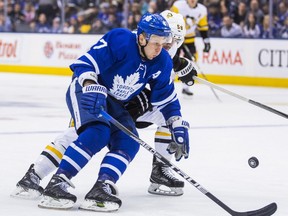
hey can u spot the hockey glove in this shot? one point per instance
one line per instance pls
(207, 45)
(94, 98)
(180, 137)
(140, 104)
(186, 71)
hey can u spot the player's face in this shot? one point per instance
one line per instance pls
(155, 45)
(192, 3)
(171, 48)
(167, 46)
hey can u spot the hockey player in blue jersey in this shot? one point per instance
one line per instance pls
(29, 186)
(112, 72)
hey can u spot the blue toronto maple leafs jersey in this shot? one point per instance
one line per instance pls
(115, 62)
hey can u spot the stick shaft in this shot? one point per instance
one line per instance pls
(202, 73)
(265, 211)
(167, 162)
(270, 109)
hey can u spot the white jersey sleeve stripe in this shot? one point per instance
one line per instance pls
(97, 71)
(78, 61)
(90, 75)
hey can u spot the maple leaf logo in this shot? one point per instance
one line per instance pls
(122, 89)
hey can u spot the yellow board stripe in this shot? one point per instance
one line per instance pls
(220, 79)
(247, 81)
(254, 81)
(36, 70)
(55, 151)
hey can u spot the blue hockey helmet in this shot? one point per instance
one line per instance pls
(154, 24)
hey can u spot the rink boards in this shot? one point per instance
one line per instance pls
(230, 61)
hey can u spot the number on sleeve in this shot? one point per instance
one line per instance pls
(104, 44)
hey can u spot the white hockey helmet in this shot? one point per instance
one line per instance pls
(177, 24)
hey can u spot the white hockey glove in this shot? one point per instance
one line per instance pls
(180, 137)
(186, 70)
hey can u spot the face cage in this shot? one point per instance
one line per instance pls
(178, 39)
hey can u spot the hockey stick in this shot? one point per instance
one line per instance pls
(241, 97)
(265, 211)
(202, 73)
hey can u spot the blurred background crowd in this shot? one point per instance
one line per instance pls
(251, 17)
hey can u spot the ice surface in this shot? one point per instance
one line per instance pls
(223, 136)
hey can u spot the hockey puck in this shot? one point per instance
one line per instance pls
(253, 162)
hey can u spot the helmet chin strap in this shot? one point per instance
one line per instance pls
(142, 49)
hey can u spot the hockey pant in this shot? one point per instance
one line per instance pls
(95, 133)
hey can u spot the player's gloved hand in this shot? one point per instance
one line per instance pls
(138, 105)
(207, 45)
(94, 98)
(186, 70)
(180, 137)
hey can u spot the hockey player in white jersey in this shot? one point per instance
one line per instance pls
(195, 16)
(163, 182)
(49, 159)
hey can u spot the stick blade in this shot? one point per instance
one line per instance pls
(265, 211)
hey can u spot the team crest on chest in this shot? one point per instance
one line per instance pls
(123, 88)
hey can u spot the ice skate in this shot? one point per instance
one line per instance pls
(102, 198)
(163, 182)
(29, 186)
(187, 93)
(56, 195)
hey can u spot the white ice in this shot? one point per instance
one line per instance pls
(223, 136)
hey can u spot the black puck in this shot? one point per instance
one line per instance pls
(253, 162)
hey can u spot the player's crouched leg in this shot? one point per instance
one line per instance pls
(162, 179)
(90, 141)
(103, 196)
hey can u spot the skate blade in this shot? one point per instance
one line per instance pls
(92, 205)
(163, 190)
(51, 203)
(28, 194)
(187, 97)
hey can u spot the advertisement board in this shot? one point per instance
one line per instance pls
(230, 61)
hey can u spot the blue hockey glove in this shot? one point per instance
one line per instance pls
(180, 137)
(94, 98)
(207, 45)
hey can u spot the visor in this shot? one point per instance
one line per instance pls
(160, 39)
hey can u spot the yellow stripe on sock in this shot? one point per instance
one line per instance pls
(55, 151)
(158, 133)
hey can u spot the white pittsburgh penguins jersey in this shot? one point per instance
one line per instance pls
(195, 18)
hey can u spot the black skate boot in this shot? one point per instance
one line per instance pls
(102, 197)
(163, 181)
(56, 195)
(186, 92)
(29, 186)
